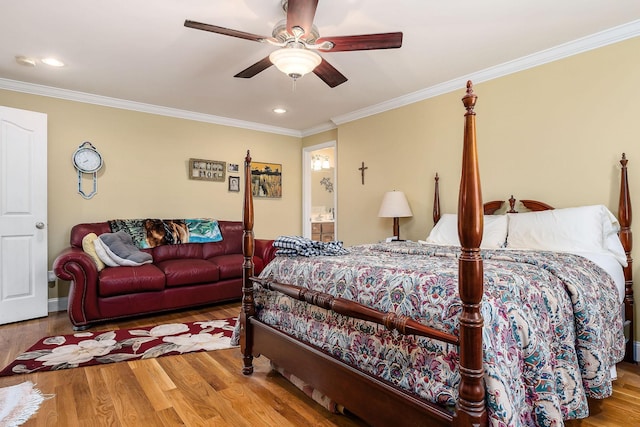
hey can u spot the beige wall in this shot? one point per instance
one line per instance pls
(145, 169)
(553, 133)
(320, 138)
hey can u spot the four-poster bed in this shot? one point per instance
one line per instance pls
(392, 399)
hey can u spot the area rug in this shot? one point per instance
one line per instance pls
(18, 403)
(93, 348)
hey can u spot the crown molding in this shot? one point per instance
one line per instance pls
(70, 95)
(584, 44)
(318, 129)
(603, 38)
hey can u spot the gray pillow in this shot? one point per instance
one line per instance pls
(121, 249)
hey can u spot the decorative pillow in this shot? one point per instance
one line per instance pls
(494, 235)
(579, 229)
(119, 248)
(102, 254)
(90, 249)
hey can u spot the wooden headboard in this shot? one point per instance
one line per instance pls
(624, 218)
(490, 208)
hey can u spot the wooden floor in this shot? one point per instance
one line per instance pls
(207, 388)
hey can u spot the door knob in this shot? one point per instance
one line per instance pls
(39, 225)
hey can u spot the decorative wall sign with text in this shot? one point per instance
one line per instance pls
(207, 170)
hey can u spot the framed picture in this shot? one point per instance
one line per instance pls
(266, 179)
(234, 183)
(233, 167)
(207, 170)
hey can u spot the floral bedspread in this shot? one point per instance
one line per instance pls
(552, 324)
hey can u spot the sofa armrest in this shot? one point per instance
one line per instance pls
(265, 250)
(75, 266)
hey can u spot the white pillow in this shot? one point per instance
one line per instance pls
(110, 258)
(580, 229)
(494, 235)
(102, 253)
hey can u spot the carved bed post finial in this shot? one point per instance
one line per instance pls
(471, 405)
(470, 98)
(248, 305)
(512, 205)
(626, 238)
(436, 201)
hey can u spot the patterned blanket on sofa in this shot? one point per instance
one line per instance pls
(152, 232)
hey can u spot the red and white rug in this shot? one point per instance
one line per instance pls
(93, 348)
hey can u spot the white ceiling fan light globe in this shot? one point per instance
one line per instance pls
(295, 62)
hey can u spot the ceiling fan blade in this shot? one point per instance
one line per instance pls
(363, 42)
(329, 74)
(224, 31)
(300, 13)
(254, 69)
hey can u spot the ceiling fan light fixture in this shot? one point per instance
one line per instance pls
(294, 61)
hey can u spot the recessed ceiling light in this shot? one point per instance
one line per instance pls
(279, 110)
(53, 62)
(27, 62)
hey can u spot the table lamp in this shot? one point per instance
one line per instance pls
(395, 205)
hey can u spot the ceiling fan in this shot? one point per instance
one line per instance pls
(298, 40)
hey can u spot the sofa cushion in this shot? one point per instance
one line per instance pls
(182, 251)
(127, 280)
(231, 265)
(78, 232)
(232, 233)
(209, 250)
(188, 271)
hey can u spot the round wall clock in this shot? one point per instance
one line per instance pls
(87, 159)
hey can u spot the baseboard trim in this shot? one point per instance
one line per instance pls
(57, 304)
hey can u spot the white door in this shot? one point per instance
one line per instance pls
(23, 215)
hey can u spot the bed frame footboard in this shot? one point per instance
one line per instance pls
(372, 400)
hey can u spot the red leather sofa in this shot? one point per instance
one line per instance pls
(181, 276)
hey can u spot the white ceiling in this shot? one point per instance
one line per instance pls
(137, 54)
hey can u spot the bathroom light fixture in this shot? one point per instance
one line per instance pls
(320, 162)
(325, 163)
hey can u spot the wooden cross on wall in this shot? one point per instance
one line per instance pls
(362, 169)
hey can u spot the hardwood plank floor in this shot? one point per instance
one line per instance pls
(207, 388)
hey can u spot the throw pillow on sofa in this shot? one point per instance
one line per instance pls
(117, 249)
(90, 249)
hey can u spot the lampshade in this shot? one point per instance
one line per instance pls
(295, 61)
(394, 205)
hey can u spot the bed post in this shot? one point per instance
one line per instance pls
(248, 307)
(624, 216)
(471, 406)
(436, 201)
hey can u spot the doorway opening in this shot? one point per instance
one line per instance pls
(319, 192)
